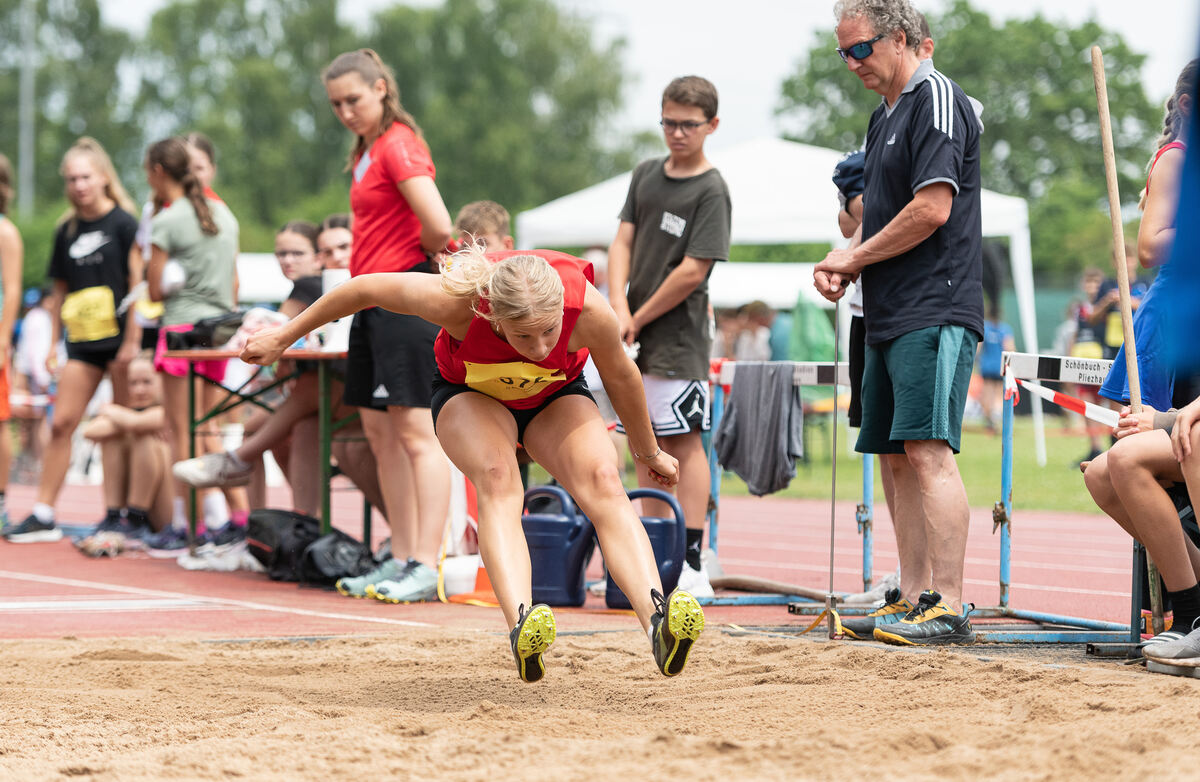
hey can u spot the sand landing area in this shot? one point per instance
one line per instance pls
(446, 704)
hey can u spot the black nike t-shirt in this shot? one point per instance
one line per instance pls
(95, 253)
(930, 135)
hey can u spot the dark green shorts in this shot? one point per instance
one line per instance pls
(914, 387)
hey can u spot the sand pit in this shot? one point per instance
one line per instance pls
(447, 705)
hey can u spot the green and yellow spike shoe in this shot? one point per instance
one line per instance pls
(532, 636)
(677, 622)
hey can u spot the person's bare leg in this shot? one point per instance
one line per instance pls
(161, 507)
(908, 519)
(75, 388)
(412, 427)
(357, 463)
(569, 439)
(1136, 464)
(147, 473)
(175, 406)
(395, 479)
(1099, 485)
(272, 428)
(304, 466)
(947, 515)
(235, 496)
(118, 375)
(114, 460)
(480, 437)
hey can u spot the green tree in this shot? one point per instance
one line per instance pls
(1034, 79)
(512, 96)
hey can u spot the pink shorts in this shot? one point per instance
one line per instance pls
(178, 367)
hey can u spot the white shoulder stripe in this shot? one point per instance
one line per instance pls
(942, 92)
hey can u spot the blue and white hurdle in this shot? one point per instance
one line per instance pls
(1051, 628)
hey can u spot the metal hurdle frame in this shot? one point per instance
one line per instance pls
(804, 373)
(1053, 628)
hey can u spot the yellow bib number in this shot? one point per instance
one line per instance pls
(1114, 330)
(513, 380)
(90, 314)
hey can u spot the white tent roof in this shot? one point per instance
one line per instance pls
(782, 193)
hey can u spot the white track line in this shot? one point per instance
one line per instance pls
(222, 601)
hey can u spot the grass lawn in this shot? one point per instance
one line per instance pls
(1057, 486)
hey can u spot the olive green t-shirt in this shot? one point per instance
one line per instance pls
(673, 218)
(208, 261)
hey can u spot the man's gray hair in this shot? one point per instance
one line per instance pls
(886, 16)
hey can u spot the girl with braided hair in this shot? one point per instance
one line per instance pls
(200, 234)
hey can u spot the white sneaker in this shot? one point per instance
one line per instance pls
(212, 469)
(695, 581)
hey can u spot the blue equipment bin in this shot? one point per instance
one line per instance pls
(668, 538)
(560, 545)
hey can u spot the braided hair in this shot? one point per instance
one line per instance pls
(172, 154)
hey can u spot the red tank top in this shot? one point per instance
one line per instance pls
(485, 362)
(1157, 155)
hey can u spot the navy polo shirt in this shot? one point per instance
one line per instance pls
(930, 135)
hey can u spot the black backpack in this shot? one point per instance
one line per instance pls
(278, 539)
(333, 556)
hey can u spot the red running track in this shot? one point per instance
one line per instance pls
(1071, 564)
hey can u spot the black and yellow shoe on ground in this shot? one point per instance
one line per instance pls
(931, 623)
(677, 622)
(532, 636)
(862, 628)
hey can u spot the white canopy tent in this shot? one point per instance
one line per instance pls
(782, 193)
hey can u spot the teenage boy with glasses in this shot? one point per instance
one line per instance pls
(674, 225)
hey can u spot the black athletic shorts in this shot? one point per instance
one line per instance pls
(444, 391)
(390, 362)
(858, 347)
(88, 353)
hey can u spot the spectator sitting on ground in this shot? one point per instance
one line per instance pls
(135, 455)
(295, 418)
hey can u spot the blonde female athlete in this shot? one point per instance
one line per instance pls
(517, 328)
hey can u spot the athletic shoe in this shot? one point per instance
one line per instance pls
(169, 542)
(862, 628)
(417, 583)
(931, 622)
(530, 639)
(676, 624)
(226, 535)
(357, 586)
(211, 469)
(695, 581)
(1184, 651)
(33, 530)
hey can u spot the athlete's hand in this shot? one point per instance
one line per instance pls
(664, 468)
(625, 324)
(1181, 434)
(264, 347)
(1132, 424)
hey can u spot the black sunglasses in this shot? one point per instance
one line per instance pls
(861, 50)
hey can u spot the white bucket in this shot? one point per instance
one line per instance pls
(336, 335)
(459, 573)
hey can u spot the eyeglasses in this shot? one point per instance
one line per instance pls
(281, 254)
(861, 50)
(687, 126)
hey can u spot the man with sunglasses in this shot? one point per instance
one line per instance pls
(921, 262)
(674, 225)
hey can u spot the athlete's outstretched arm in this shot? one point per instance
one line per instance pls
(405, 293)
(598, 331)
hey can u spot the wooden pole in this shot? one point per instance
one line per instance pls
(1118, 238)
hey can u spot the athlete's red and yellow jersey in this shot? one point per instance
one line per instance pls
(486, 363)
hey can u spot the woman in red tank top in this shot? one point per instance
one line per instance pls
(516, 330)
